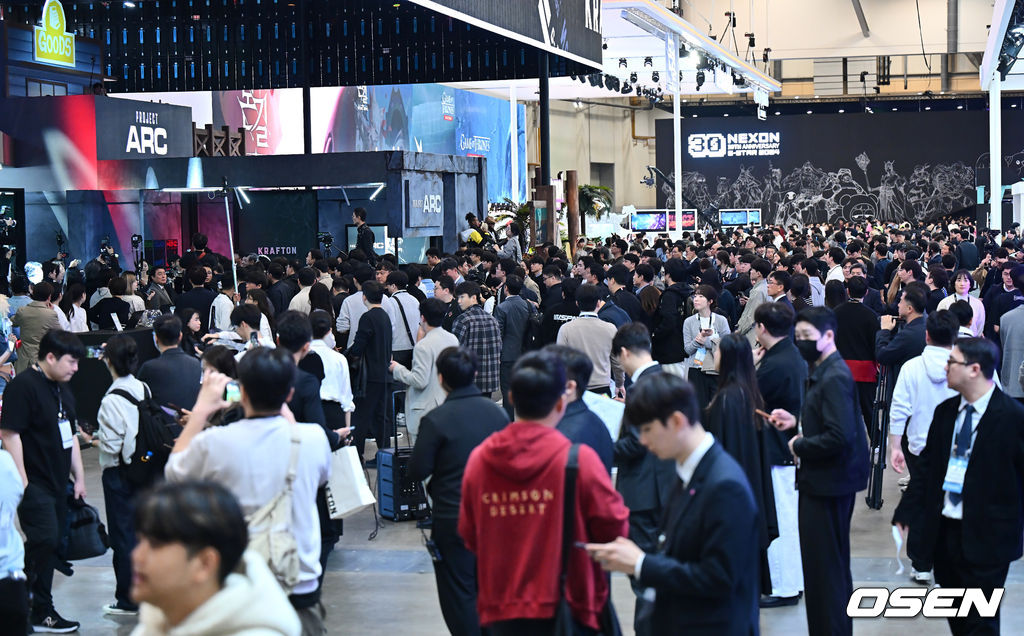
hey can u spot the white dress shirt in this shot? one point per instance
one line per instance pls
(79, 321)
(400, 337)
(636, 374)
(250, 458)
(980, 406)
(118, 421)
(220, 313)
(685, 471)
(65, 324)
(336, 386)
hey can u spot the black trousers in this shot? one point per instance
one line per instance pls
(505, 380)
(534, 627)
(119, 500)
(334, 415)
(43, 516)
(825, 553)
(13, 607)
(866, 398)
(643, 531)
(705, 385)
(919, 563)
(953, 570)
(370, 417)
(455, 574)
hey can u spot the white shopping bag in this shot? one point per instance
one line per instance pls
(347, 490)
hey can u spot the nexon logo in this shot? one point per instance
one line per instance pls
(907, 602)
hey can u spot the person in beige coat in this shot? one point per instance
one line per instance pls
(425, 392)
(34, 320)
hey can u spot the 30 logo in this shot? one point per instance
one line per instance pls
(705, 145)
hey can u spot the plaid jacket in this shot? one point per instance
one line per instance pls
(478, 331)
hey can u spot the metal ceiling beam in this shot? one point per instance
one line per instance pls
(859, 10)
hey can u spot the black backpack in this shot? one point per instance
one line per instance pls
(153, 444)
(533, 334)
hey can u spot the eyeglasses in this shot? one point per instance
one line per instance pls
(952, 360)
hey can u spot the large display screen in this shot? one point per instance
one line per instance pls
(649, 222)
(573, 26)
(902, 166)
(424, 118)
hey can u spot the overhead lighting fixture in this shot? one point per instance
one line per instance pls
(632, 77)
(595, 80)
(810, 112)
(927, 107)
(777, 113)
(1013, 105)
(129, 5)
(960, 107)
(622, 62)
(694, 115)
(655, 77)
(683, 52)
(842, 110)
(725, 114)
(380, 188)
(627, 89)
(895, 109)
(648, 61)
(700, 79)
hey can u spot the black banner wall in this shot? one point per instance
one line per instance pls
(278, 224)
(796, 169)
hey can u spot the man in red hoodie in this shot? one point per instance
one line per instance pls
(511, 512)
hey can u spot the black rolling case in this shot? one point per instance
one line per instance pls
(400, 498)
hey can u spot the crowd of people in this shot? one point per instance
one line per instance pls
(745, 363)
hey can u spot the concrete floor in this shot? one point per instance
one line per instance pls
(387, 584)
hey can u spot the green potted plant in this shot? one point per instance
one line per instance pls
(596, 200)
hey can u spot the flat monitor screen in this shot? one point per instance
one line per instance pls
(754, 217)
(412, 250)
(650, 222)
(734, 217)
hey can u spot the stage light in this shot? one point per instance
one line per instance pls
(777, 113)
(929, 107)
(622, 62)
(241, 194)
(627, 89)
(582, 79)
(694, 115)
(842, 110)
(655, 77)
(380, 188)
(632, 77)
(648, 61)
(129, 5)
(725, 114)
(595, 80)
(700, 79)
(894, 109)
(960, 107)
(810, 112)
(1013, 105)
(683, 52)
(578, 104)
(750, 40)
(572, 76)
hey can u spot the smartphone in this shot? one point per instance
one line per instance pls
(254, 339)
(232, 392)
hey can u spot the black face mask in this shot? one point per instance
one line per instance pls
(808, 350)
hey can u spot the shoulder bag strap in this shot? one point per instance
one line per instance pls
(293, 460)
(126, 395)
(405, 321)
(568, 514)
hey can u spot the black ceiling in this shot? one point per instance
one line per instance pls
(178, 45)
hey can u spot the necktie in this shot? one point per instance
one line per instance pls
(963, 444)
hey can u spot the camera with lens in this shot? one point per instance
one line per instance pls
(136, 241)
(325, 238)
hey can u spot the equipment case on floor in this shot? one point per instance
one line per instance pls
(401, 498)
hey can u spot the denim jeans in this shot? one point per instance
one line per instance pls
(119, 499)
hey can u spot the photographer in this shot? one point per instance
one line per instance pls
(95, 269)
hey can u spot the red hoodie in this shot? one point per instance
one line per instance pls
(511, 518)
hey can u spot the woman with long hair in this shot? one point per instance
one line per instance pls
(320, 298)
(259, 298)
(131, 296)
(732, 418)
(190, 328)
(835, 294)
(71, 305)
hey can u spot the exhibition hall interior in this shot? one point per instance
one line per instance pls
(522, 317)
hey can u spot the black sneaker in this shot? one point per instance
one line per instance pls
(54, 623)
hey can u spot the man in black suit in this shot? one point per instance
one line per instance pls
(970, 529)
(447, 435)
(199, 297)
(855, 341)
(781, 375)
(579, 423)
(281, 291)
(174, 376)
(372, 345)
(704, 569)
(364, 236)
(967, 252)
(832, 455)
(644, 481)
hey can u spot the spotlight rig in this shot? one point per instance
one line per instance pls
(700, 79)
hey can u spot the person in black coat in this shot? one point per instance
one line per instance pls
(619, 279)
(558, 314)
(704, 570)
(198, 298)
(173, 377)
(281, 291)
(781, 375)
(973, 535)
(667, 336)
(579, 423)
(447, 435)
(644, 481)
(967, 252)
(730, 417)
(103, 312)
(372, 345)
(855, 341)
(832, 452)
(894, 346)
(364, 236)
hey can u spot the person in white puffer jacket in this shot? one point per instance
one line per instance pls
(192, 574)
